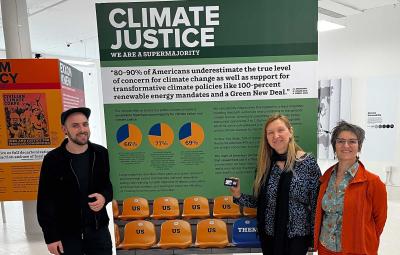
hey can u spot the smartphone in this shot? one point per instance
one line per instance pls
(231, 182)
(91, 199)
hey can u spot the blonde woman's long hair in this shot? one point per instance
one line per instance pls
(265, 152)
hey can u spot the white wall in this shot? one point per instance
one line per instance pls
(368, 47)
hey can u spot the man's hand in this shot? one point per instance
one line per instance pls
(55, 248)
(98, 204)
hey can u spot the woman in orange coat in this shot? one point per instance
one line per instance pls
(352, 202)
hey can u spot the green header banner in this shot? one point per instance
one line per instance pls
(206, 29)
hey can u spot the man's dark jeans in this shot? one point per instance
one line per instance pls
(94, 242)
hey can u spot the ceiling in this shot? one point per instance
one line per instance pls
(67, 28)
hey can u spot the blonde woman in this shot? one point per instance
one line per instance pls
(285, 191)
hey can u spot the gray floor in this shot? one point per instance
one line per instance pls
(14, 241)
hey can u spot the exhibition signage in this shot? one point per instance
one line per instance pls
(188, 85)
(33, 93)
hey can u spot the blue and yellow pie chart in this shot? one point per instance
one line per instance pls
(191, 135)
(129, 137)
(161, 136)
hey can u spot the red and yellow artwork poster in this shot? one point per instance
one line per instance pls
(26, 119)
(30, 107)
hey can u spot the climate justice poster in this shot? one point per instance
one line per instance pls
(188, 85)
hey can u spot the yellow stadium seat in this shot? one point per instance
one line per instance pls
(175, 234)
(165, 208)
(115, 209)
(211, 233)
(138, 234)
(134, 208)
(250, 212)
(117, 235)
(225, 208)
(196, 207)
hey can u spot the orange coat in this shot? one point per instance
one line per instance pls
(364, 212)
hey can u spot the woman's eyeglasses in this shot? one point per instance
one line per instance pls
(350, 142)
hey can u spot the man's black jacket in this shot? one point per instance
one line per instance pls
(58, 202)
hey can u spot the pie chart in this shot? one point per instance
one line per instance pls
(191, 135)
(129, 137)
(161, 136)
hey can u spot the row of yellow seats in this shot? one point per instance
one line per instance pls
(194, 207)
(175, 234)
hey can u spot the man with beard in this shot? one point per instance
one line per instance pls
(74, 189)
